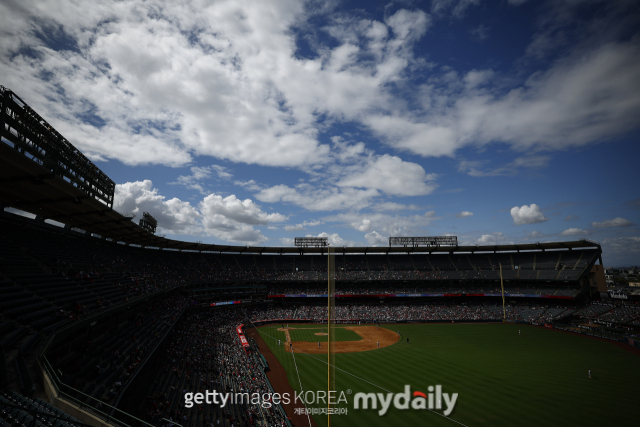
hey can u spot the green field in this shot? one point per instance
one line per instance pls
(502, 378)
(308, 334)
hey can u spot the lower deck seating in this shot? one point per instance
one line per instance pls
(45, 414)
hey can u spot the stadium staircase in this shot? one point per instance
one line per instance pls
(413, 263)
(432, 267)
(578, 262)
(473, 267)
(455, 267)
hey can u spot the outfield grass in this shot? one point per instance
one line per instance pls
(502, 378)
(308, 334)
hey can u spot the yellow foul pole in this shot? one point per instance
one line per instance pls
(329, 314)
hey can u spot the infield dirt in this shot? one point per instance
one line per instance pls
(370, 338)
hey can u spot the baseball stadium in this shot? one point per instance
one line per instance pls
(107, 323)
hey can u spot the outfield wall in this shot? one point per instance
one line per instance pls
(258, 323)
(420, 295)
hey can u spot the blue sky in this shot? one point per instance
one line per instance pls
(259, 121)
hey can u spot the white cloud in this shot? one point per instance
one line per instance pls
(409, 25)
(302, 226)
(198, 79)
(225, 80)
(376, 239)
(529, 162)
(362, 225)
(574, 232)
(480, 33)
(335, 239)
(243, 211)
(222, 172)
(616, 222)
(392, 206)
(353, 182)
(570, 218)
(344, 152)
(554, 109)
(287, 241)
(464, 214)
(229, 218)
(392, 176)
(495, 238)
(200, 174)
(535, 235)
(319, 199)
(527, 215)
(391, 225)
(250, 185)
(455, 7)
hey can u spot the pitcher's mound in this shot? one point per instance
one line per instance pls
(321, 333)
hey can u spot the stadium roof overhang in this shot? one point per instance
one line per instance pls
(27, 186)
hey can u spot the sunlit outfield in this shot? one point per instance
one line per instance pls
(538, 378)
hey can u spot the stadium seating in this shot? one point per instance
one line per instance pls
(50, 278)
(45, 417)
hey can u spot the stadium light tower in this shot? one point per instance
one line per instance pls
(424, 241)
(148, 222)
